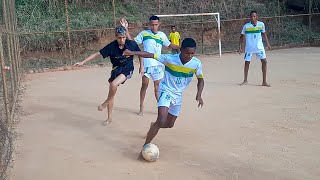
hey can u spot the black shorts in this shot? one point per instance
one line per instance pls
(125, 70)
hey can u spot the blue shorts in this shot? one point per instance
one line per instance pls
(260, 54)
(173, 102)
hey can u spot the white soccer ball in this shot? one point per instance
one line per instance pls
(150, 152)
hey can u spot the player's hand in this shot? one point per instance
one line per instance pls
(124, 23)
(269, 47)
(127, 52)
(79, 63)
(200, 101)
(240, 49)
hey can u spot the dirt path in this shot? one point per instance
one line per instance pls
(249, 132)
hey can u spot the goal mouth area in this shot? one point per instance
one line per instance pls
(216, 16)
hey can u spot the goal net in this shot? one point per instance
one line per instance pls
(203, 27)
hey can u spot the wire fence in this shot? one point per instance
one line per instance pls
(10, 81)
(37, 35)
(71, 30)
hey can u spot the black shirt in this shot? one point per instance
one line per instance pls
(113, 51)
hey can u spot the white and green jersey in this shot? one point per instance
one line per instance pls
(152, 43)
(177, 76)
(253, 36)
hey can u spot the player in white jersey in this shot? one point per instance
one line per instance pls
(253, 32)
(152, 40)
(179, 70)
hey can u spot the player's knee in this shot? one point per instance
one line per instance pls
(170, 125)
(161, 122)
(144, 85)
(113, 85)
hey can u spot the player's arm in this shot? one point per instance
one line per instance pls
(167, 43)
(125, 24)
(200, 86)
(138, 53)
(173, 46)
(141, 68)
(266, 39)
(161, 58)
(90, 58)
(179, 39)
(265, 35)
(241, 39)
(241, 42)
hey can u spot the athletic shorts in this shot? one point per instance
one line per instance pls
(125, 70)
(173, 102)
(154, 72)
(260, 54)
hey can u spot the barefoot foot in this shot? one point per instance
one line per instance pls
(140, 157)
(106, 122)
(141, 111)
(244, 83)
(266, 84)
(101, 107)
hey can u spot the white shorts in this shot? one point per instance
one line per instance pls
(154, 72)
(173, 102)
(260, 54)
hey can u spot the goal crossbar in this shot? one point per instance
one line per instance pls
(216, 15)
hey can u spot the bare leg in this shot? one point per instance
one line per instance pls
(246, 70)
(109, 108)
(164, 120)
(143, 90)
(156, 89)
(110, 100)
(264, 73)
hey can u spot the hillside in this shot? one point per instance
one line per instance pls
(50, 16)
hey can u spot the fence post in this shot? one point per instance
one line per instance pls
(202, 31)
(4, 83)
(279, 21)
(114, 13)
(68, 29)
(13, 50)
(6, 8)
(16, 43)
(159, 6)
(310, 21)
(13, 31)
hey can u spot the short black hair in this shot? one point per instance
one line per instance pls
(173, 26)
(120, 30)
(188, 43)
(154, 18)
(253, 12)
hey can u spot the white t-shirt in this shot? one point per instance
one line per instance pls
(177, 76)
(152, 43)
(253, 36)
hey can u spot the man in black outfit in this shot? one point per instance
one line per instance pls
(122, 66)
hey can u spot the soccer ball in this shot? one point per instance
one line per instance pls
(150, 152)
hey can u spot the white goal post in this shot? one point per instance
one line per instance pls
(216, 16)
